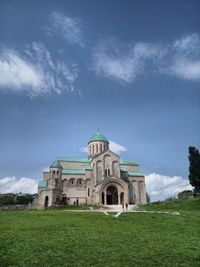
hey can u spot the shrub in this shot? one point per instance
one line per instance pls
(185, 194)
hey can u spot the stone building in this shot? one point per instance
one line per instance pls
(102, 178)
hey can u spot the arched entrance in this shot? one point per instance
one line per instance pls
(112, 195)
(46, 202)
(102, 198)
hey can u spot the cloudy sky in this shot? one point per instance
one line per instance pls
(130, 68)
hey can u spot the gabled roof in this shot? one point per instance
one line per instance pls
(98, 136)
(104, 152)
(74, 159)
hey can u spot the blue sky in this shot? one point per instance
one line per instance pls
(130, 68)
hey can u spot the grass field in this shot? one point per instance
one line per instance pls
(66, 238)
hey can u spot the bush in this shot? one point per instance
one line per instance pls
(25, 199)
(185, 194)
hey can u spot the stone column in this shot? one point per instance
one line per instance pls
(119, 198)
(105, 199)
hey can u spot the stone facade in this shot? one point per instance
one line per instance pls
(102, 178)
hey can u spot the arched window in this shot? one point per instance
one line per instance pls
(107, 172)
(54, 172)
(79, 182)
(57, 172)
(71, 181)
(96, 148)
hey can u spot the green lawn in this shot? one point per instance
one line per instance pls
(66, 238)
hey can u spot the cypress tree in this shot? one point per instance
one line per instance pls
(194, 168)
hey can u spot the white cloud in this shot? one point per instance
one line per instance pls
(70, 28)
(83, 149)
(34, 72)
(185, 58)
(186, 69)
(14, 185)
(124, 62)
(189, 44)
(18, 73)
(116, 148)
(159, 187)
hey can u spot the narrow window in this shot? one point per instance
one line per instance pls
(56, 182)
(93, 149)
(100, 148)
(54, 172)
(57, 172)
(88, 191)
(96, 148)
(108, 172)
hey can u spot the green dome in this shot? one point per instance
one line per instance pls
(56, 164)
(98, 136)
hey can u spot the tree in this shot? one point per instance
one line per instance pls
(194, 168)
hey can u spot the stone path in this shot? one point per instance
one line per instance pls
(106, 212)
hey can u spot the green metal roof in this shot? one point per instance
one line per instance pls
(98, 136)
(88, 167)
(68, 171)
(128, 162)
(135, 174)
(123, 169)
(42, 184)
(73, 159)
(56, 164)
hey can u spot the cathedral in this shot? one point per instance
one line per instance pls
(102, 178)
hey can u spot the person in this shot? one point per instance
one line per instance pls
(123, 206)
(126, 206)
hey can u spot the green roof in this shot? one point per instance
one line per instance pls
(88, 167)
(135, 174)
(123, 169)
(56, 164)
(128, 162)
(98, 136)
(74, 159)
(42, 184)
(69, 171)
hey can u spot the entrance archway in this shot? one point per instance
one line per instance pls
(102, 196)
(46, 202)
(112, 195)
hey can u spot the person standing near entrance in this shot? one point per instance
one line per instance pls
(126, 206)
